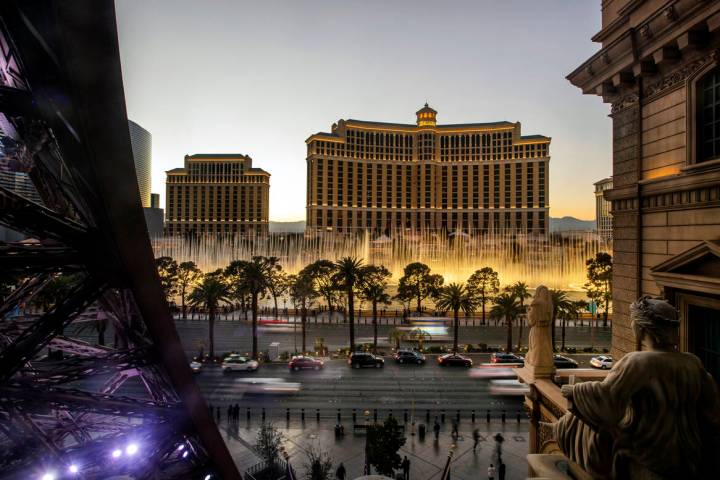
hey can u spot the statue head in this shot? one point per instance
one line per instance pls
(655, 323)
(541, 306)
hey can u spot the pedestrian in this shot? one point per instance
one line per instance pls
(230, 413)
(406, 468)
(501, 471)
(217, 414)
(340, 472)
(436, 429)
(476, 438)
(454, 428)
(237, 412)
(491, 472)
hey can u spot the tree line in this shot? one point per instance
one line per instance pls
(244, 283)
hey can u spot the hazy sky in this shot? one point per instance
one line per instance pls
(258, 77)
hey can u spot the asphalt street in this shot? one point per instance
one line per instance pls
(237, 336)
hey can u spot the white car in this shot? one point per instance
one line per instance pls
(603, 362)
(508, 388)
(196, 367)
(233, 363)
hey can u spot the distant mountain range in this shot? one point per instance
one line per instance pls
(556, 225)
(565, 224)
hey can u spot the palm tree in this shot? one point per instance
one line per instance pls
(303, 293)
(373, 290)
(419, 335)
(483, 284)
(396, 336)
(277, 284)
(560, 303)
(455, 297)
(522, 292)
(347, 277)
(210, 293)
(253, 277)
(186, 276)
(506, 306)
(568, 310)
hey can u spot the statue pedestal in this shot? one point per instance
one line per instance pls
(532, 372)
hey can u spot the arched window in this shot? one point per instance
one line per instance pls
(708, 116)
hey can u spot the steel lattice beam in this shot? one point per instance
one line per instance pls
(62, 92)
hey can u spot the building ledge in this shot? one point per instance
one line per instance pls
(554, 466)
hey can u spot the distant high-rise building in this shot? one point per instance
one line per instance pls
(603, 218)
(217, 193)
(472, 177)
(154, 216)
(141, 141)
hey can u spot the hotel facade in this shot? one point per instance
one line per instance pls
(388, 177)
(217, 194)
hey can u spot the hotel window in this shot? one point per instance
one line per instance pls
(530, 219)
(541, 184)
(708, 113)
(518, 185)
(506, 185)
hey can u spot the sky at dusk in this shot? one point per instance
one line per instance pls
(258, 77)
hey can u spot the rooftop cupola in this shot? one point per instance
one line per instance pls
(426, 117)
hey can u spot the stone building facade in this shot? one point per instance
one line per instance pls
(217, 194)
(603, 217)
(658, 68)
(389, 177)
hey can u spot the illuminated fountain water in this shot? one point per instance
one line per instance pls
(555, 261)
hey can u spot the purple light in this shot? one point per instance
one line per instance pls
(208, 477)
(48, 476)
(116, 453)
(73, 469)
(131, 449)
(181, 447)
(185, 454)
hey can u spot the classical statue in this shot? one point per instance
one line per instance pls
(539, 359)
(656, 415)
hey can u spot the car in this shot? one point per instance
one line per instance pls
(304, 362)
(269, 386)
(361, 359)
(603, 362)
(564, 362)
(196, 367)
(409, 356)
(454, 360)
(237, 363)
(508, 388)
(505, 357)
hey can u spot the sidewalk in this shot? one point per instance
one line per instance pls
(427, 457)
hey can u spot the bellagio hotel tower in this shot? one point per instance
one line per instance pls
(389, 177)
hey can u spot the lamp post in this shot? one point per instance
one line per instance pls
(366, 414)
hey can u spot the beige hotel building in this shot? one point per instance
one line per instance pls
(217, 194)
(384, 177)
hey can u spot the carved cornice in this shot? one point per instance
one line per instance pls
(626, 101)
(679, 76)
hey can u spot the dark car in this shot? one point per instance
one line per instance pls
(302, 362)
(503, 357)
(564, 362)
(454, 360)
(358, 360)
(409, 356)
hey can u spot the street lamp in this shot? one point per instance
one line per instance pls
(366, 414)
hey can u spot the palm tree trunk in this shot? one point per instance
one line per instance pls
(275, 300)
(563, 334)
(184, 308)
(419, 301)
(552, 329)
(375, 329)
(303, 320)
(351, 318)
(508, 319)
(455, 336)
(483, 309)
(211, 332)
(520, 331)
(254, 326)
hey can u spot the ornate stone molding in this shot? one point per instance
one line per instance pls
(626, 101)
(680, 75)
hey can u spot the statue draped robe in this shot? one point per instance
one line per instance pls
(654, 416)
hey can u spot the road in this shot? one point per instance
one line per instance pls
(237, 336)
